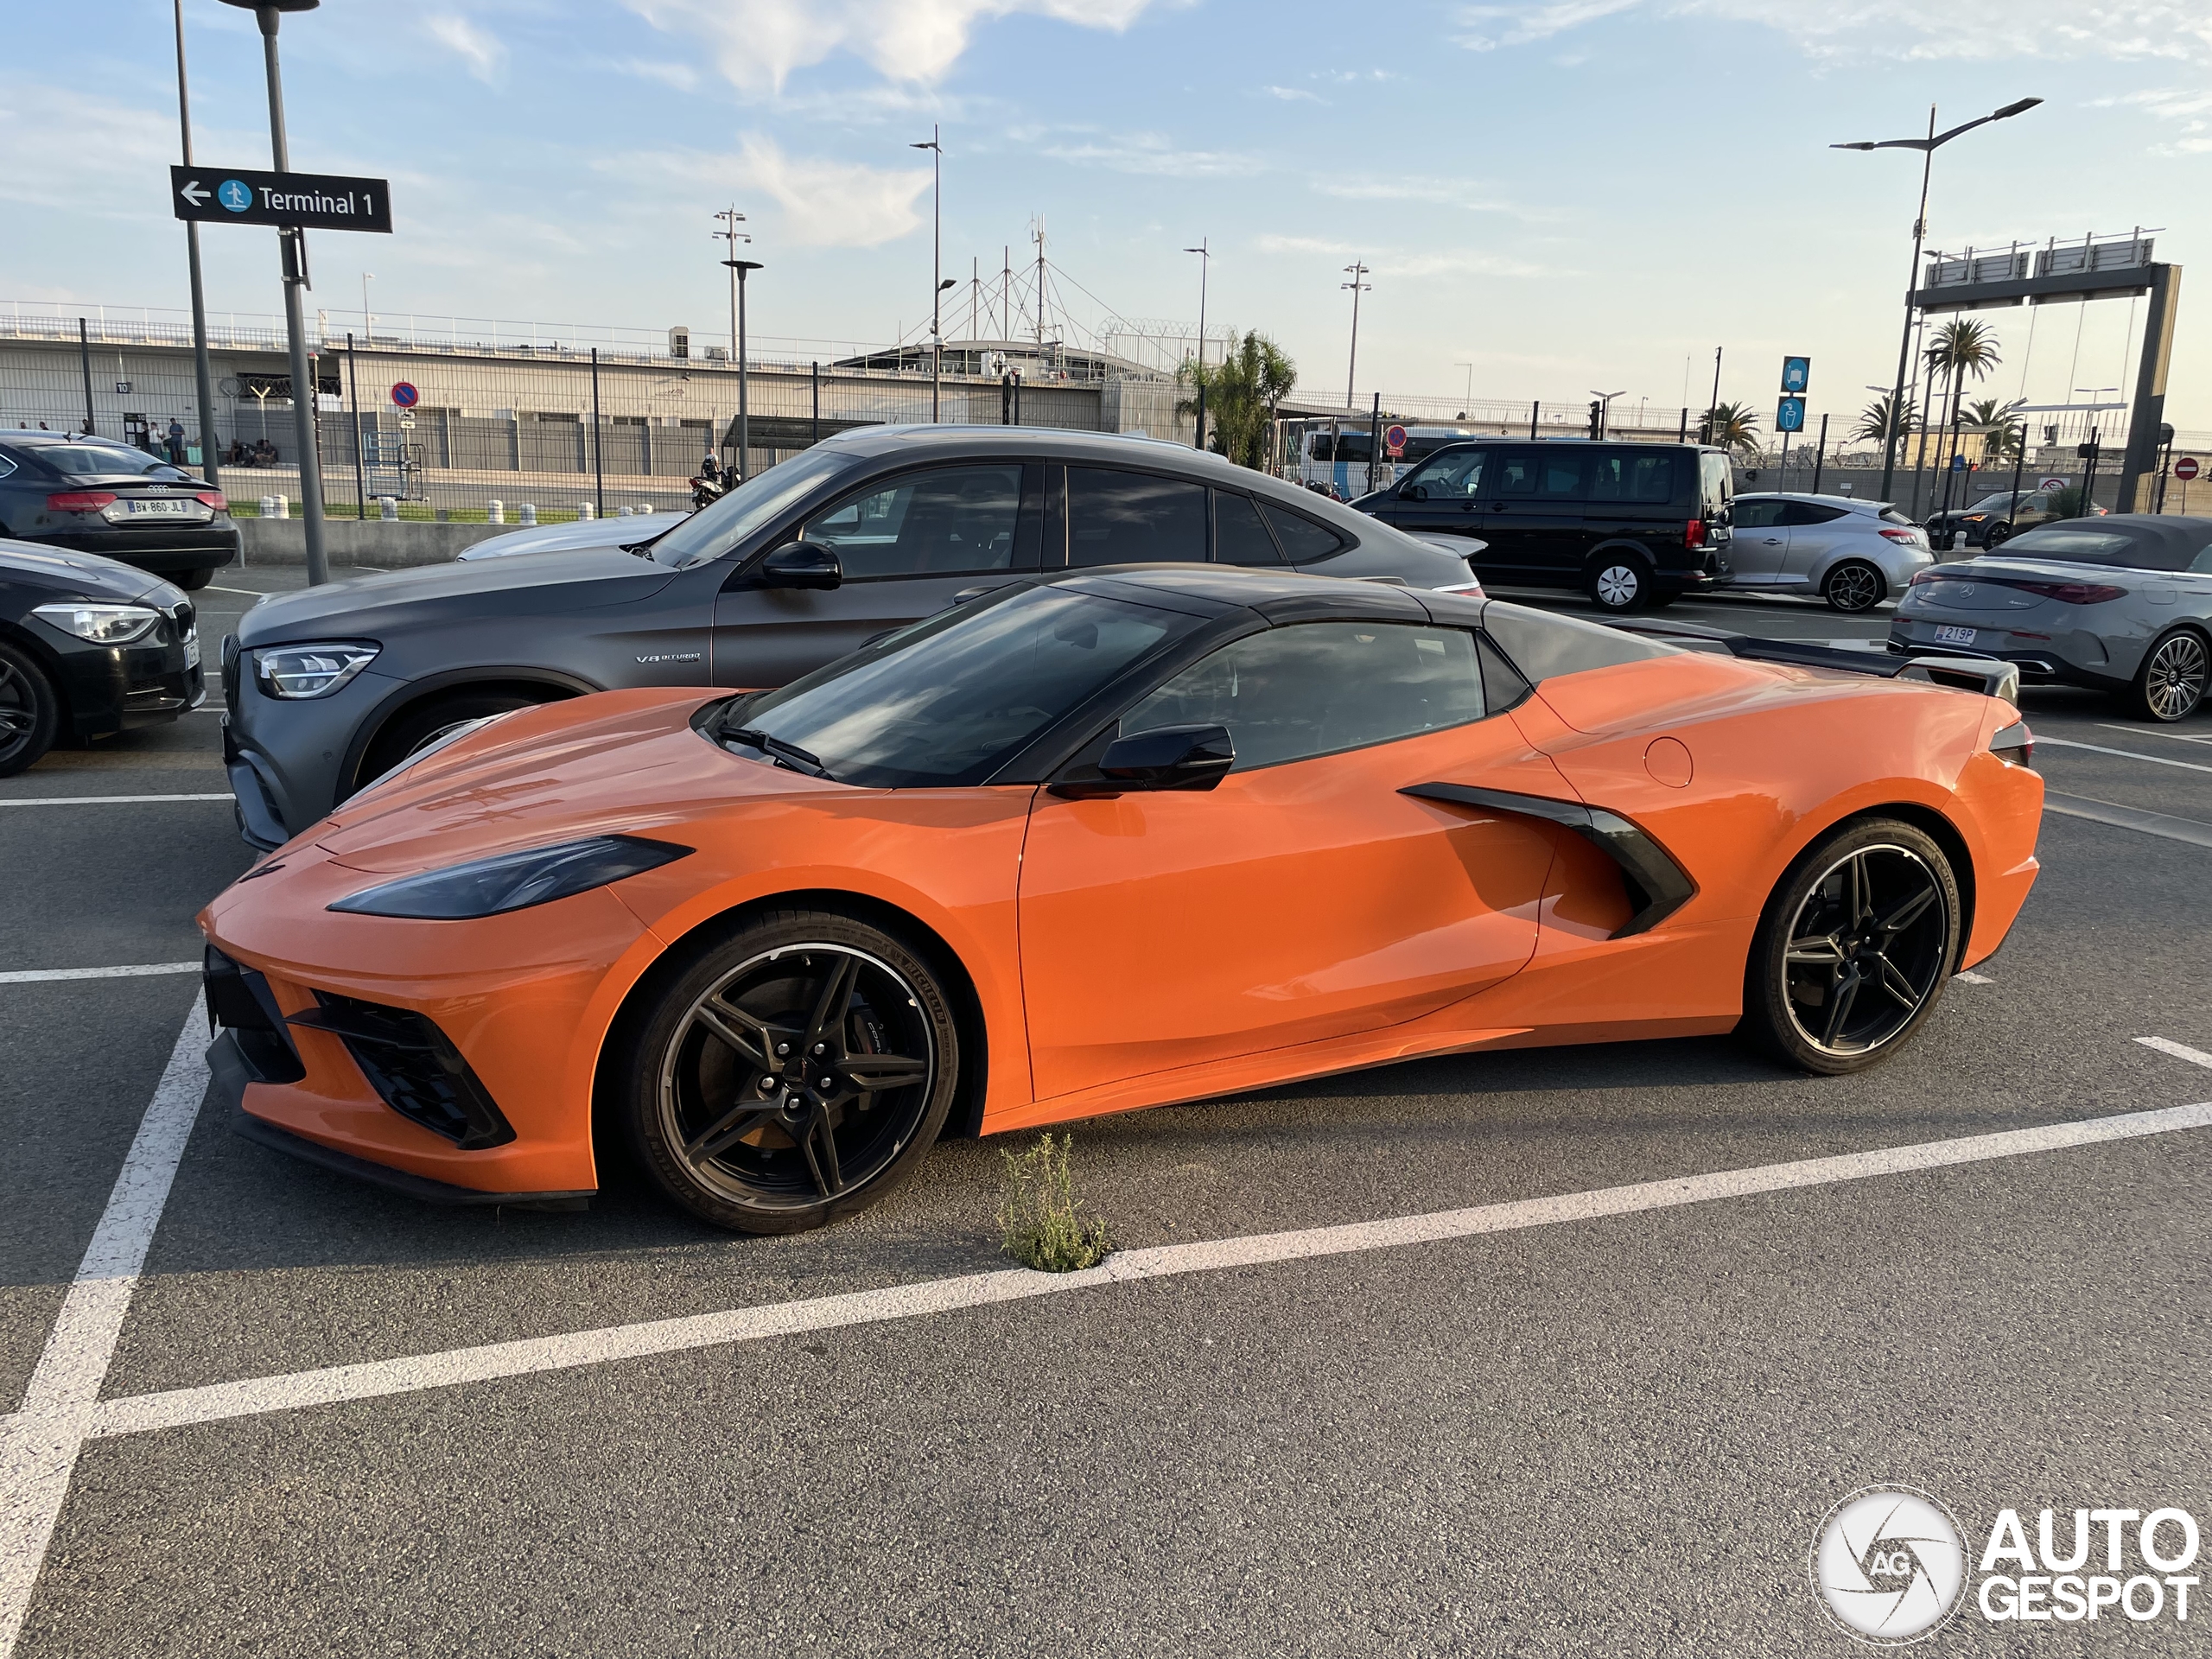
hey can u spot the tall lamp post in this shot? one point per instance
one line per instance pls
(1927, 147)
(1358, 285)
(742, 267)
(294, 242)
(1205, 266)
(937, 284)
(203, 380)
(731, 235)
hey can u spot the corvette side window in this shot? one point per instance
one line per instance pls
(946, 522)
(1321, 687)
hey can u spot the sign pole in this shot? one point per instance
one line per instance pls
(354, 397)
(1821, 456)
(598, 465)
(205, 380)
(294, 243)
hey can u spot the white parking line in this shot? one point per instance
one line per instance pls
(2129, 817)
(39, 1444)
(2125, 754)
(2153, 731)
(33, 976)
(250, 593)
(105, 800)
(2179, 1051)
(254, 1397)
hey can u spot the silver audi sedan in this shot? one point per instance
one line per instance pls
(1854, 554)
(2122, 603)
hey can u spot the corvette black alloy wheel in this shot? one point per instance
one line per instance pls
(794, 1075)
(1854, 949)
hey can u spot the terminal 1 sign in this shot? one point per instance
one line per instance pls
(315, 201)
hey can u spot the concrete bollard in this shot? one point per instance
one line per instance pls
(495, 512)
(268, 506)
(529, 513)
(621, 512)
(388, 508)
(585, 509)
(283, 506)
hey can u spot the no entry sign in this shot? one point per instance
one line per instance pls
(2186, 468)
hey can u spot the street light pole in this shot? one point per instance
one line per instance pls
(294, 242)
(1357, 271)
(204, 381)
(744, 413)
(936, 266)
(1928, 147)
(1205, 266)
(730, 234)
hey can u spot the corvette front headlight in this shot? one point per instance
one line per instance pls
(538, 875)
(104, 625)
(296, 672)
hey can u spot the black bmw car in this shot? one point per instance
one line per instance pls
(88, 647)
(95, 495)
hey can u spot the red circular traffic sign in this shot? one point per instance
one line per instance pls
(404, 394)
(1394, 438)
(2186, 468)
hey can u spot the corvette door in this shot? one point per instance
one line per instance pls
(1304, 897)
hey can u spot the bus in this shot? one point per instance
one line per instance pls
(1336, 460)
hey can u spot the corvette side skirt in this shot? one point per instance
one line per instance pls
(1657, 886)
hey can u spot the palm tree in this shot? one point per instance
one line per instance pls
(1874, 419)
(1242, 393)
(2001, 425)
(1733, 426)
(1964, 345)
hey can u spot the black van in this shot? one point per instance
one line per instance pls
(1632, 524)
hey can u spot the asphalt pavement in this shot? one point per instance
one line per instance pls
(1615, 1432)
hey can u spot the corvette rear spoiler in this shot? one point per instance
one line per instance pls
(1987, 675)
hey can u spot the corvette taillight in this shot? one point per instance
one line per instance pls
(81, 500)
(1693, 533)
(2016, 743)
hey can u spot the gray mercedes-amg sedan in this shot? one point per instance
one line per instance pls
(328, 688)
(2123, 603)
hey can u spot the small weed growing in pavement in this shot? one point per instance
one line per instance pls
(1041, 1222)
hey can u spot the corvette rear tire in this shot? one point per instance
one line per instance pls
(1853, 950)
(792, 1073)
(1620, 583)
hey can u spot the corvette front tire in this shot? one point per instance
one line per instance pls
(792, 1073)
(1853, 949)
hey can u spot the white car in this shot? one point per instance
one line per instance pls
(1854, 554)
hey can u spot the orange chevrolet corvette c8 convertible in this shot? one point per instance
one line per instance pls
(1094, 841)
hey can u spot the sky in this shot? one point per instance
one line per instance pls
(1553, 198)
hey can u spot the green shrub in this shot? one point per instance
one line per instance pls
(1041, 1222)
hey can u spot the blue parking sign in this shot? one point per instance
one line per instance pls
(1790, 414)
(1796, 375)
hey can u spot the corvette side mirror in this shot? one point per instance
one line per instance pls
(801, 564)
(1171, 757)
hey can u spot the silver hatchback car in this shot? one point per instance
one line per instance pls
(1854, 554)
(2123, 603)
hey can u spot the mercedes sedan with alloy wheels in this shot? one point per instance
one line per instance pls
(864, 533)
(2122, 603)
(1092, 841)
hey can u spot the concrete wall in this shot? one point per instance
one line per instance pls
(367, 541)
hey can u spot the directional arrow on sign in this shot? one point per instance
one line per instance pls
(194, 193)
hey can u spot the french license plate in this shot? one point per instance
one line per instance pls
(137, 509)
(1954, 636)
(192, 649)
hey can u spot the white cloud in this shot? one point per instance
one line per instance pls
(1155, 155)
(756, 44)
(1405, 262)
(478, 49)
(681, 76)
(822, 203)
(2059, 30)
(1293, 94)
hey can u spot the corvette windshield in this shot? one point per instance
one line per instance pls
(951, 700)
(712, 532)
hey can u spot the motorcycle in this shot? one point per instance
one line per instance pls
(705, 492)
